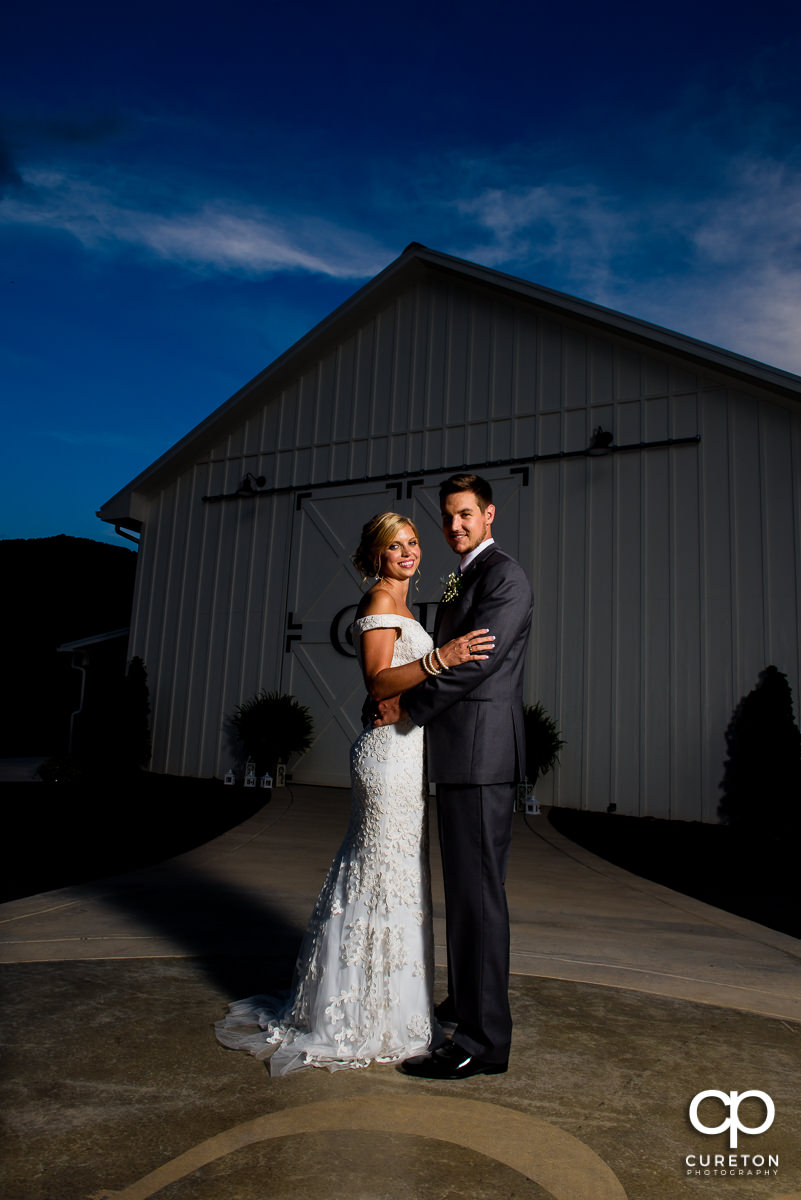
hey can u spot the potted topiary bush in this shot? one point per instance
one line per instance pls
(270, 727)
(543, 741)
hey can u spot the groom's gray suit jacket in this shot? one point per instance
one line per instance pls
(473, 713)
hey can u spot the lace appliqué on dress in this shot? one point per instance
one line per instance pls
(363, 981)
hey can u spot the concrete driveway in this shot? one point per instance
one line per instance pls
(628, 1001)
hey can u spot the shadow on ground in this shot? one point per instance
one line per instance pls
(746, 873)
(60, 835)
(57, 835)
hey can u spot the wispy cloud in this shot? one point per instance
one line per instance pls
(9, 175)
(723, 265)
(720, 260)
(213, 236)
(740, 284)
(580, 229)
(756, 216)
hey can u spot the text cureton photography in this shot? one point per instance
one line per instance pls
(732, 1164)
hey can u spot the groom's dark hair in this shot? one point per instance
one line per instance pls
(467, 483)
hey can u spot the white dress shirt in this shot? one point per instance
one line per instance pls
(468, 558)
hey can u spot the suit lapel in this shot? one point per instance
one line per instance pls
(448, 615)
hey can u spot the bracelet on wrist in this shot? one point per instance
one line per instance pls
(428, 665)
(439, 659)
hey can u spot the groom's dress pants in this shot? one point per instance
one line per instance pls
(475, 830)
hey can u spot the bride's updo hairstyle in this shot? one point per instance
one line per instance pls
(379, 532)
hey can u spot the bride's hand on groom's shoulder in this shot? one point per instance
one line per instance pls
(476, 645)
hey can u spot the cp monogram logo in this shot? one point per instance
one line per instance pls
(732, 1101)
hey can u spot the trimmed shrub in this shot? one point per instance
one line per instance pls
(762, 774)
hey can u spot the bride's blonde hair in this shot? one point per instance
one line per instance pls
(378, 533)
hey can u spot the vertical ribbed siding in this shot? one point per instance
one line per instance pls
(665, 579)
(687, 716)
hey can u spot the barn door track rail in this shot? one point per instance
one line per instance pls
(601, 444)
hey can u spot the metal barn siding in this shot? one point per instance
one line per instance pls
(605, 659)
(666, 573)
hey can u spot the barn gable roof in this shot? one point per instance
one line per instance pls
(417, 262)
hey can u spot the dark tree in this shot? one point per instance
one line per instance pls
(135, 716)
(762, 774)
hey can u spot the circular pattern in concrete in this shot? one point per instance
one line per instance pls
(561, 1165)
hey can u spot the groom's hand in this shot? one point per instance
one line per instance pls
(389, 712)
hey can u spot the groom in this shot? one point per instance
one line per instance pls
(473, 718)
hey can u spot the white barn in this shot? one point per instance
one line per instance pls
(666, 571)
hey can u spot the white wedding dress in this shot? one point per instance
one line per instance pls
(363, 980)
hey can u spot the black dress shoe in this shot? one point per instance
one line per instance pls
(450, 1062)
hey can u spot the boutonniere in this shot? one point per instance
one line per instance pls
(453, 586)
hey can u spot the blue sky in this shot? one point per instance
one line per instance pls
(186, 190)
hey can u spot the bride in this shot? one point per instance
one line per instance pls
(363, 980)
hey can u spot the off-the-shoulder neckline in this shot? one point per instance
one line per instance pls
(389, 616)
